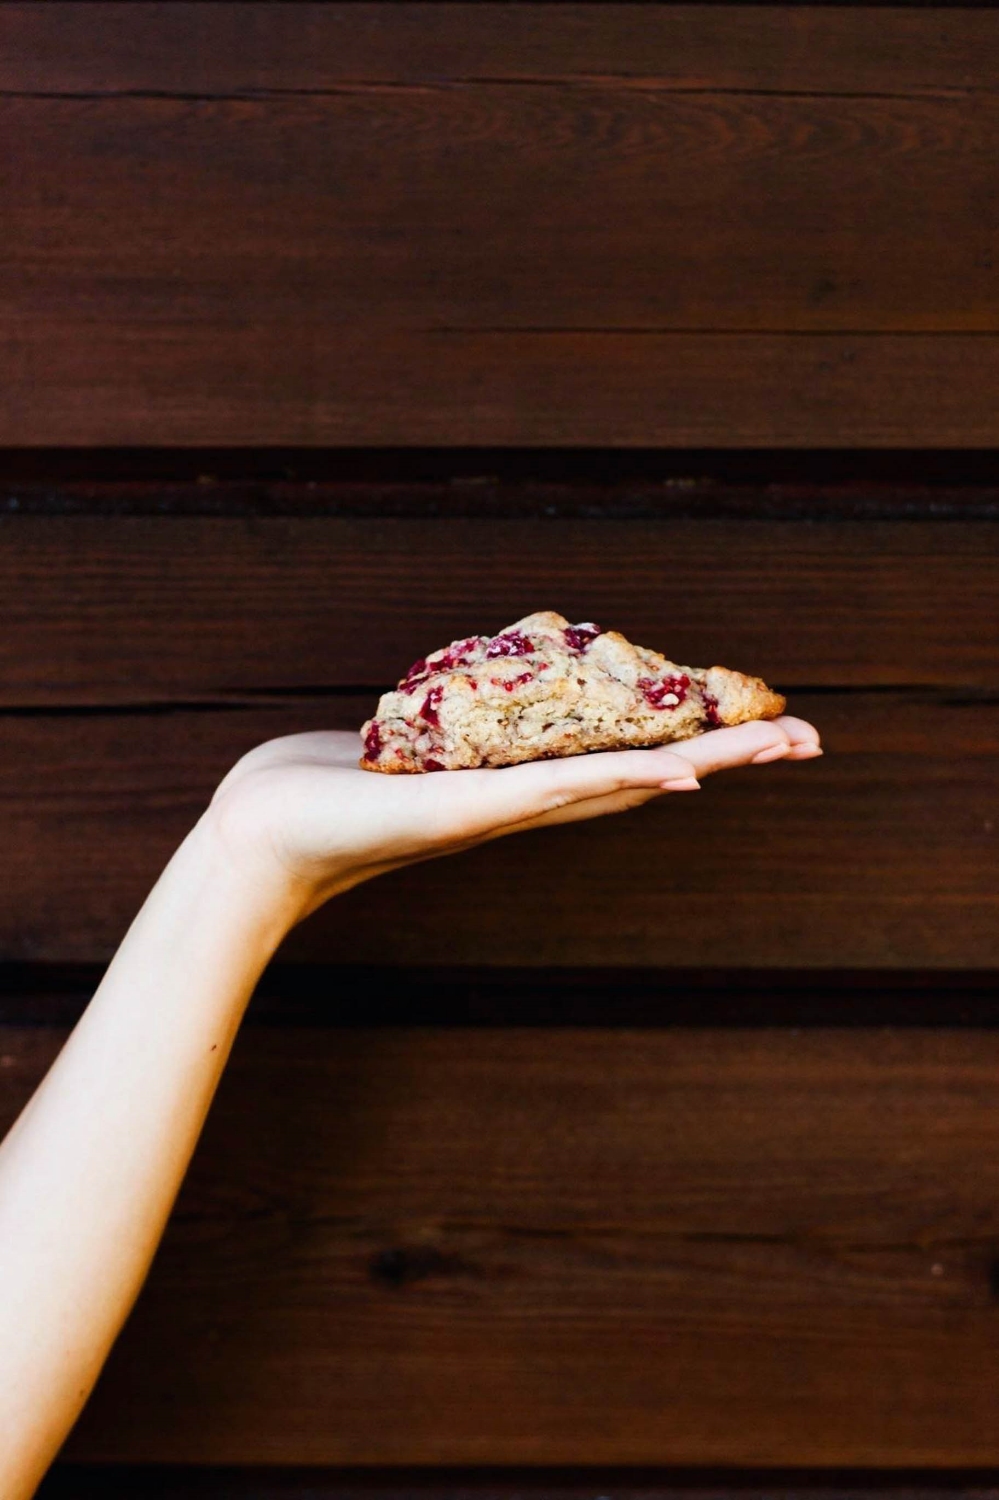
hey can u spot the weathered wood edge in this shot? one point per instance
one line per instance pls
(502, 484)
(348, 997)
(153, 1482)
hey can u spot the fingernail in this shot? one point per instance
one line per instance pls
(773, 752)
(684, 784)
(806, 752)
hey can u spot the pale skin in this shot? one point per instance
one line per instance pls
(90, 1170)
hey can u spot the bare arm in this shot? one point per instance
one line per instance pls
(89, 1172)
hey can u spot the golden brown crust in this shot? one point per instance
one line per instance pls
(740, 698)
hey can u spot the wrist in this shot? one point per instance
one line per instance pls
(201, 940)
(248, 879)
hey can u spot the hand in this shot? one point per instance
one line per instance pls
(301, 808)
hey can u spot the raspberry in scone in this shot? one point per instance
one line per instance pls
(544, 688)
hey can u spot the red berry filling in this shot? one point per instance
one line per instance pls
(432, 765)
(578, 637)
(669, 693)
(512, 682)
(418, 672)
(711, 711)
(510, 644)
(456, 655)
(373, 742)
(430, 705)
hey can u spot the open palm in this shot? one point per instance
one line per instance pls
(303, 801)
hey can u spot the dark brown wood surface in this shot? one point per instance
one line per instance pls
(145, 609)
(881, 855)
(258, 46)
(543, 225)
(757, 1254)
(576, 1246)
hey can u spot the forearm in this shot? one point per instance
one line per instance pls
(90, 1171)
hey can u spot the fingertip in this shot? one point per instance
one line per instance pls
(736, 745)
(681, 784)
(798, 731)
(772, 752)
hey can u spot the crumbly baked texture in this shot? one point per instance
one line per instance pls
(544, 688)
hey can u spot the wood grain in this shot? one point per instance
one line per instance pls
(237, 386)
(590, 1247)
(880, 856)
(148, 609)
(383, 226)
(236, 48)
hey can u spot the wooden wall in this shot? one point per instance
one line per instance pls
(654, 1158)
(544, 224)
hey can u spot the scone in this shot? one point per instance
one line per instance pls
(545, 688)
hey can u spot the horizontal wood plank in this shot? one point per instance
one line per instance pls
(405, 224)
(589, 1247)
(150, 609)
(248, 47)
(242, 384)
(882, 855)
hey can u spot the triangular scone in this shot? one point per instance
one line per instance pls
(545, 688)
